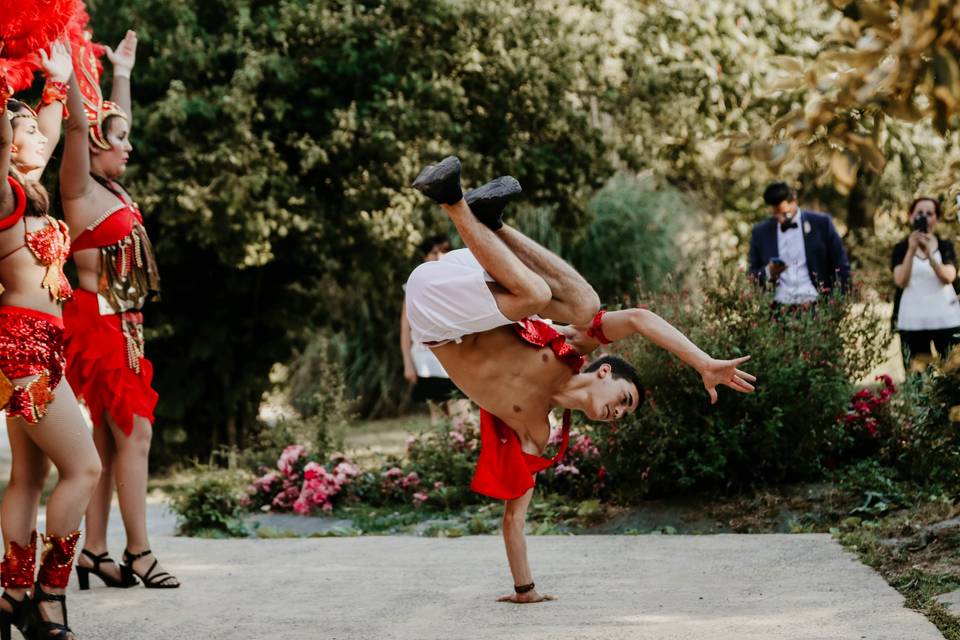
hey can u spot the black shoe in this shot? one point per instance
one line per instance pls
(126, 580)
(487, 202)
(441, 182)
(17, 616)
(150, 580)
(44, 628)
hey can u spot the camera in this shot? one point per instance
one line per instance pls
(920, 224)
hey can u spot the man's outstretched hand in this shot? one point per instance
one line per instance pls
(530, 597)
(716, 372)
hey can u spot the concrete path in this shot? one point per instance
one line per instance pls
(736, 587)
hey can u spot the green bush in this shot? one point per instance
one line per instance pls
(211, 504)
(631, 244)
(926, 442)
(805, 364)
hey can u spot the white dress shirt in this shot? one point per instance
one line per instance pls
(927, 303)
(794, 285)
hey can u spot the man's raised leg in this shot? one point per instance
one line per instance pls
(573, 299)
(518, 290)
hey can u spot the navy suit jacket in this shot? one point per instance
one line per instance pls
(826, 258)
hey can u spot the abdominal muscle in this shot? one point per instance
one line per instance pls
(22, 278)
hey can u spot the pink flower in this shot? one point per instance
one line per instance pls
(438, 485)
(393, 473)
(410, 481)
(457, 438)
(345, 472)
(289, 459)
(567, 469)
(419, 498)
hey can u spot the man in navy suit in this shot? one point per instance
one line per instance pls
(798, 251)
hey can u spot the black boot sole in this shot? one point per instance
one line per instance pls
(441, 182)
(488, 201)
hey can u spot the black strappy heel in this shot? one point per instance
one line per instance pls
(44, 629)
(18, 616)
(127, 579)
(150, 580)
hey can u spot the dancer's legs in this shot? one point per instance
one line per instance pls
(64, 437)
(521, 292)
(98, 511)
(131, 467)
(21, 500)
(574, 300)
(514, 522)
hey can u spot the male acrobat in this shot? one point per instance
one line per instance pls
(479, 310)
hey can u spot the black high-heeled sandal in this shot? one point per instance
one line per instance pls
(18, 616)
(45, 629)
(150, 580)
(127, 579)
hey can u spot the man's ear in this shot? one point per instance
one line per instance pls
(603, 371)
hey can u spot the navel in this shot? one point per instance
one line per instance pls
(517, 409)
(544, 357)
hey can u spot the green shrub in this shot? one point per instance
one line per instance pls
(926, 442)
(784, 431)
(631, 244)
(211, 504)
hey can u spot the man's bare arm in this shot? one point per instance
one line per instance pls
(618, 325)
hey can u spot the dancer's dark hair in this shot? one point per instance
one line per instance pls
(620, 369)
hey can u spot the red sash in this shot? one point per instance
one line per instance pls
(504, 470)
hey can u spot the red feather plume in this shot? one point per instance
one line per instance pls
(26, 26)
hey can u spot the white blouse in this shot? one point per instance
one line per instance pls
(927, 302)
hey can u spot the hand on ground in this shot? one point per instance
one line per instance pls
(530, 597)
(725, 372)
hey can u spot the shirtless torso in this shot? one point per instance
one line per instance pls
(509, 378)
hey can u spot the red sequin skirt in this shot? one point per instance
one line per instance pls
(105, 362)
(31, 344)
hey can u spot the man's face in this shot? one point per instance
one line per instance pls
(783, 211)
(611, 398)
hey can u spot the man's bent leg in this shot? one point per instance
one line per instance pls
(514, 521)
(521, 292)
(573, 299)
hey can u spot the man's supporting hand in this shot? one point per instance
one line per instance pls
(530, 597)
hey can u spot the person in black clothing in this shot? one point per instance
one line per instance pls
(925, 308)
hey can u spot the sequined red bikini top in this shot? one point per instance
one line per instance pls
(128, 268)
(49, 245)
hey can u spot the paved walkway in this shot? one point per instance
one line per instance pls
(736, 587)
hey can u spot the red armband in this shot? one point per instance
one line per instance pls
(54, 92)
(596, 328)
(19, 206)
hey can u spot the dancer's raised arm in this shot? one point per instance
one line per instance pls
(58, 68)
(75, 166)
(123, 60)
(7, 204)
(618, 325)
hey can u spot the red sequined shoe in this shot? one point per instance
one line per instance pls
(55, 565)
(16, 572)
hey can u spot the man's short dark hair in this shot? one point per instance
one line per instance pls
(620, 369)
(431, 242)
(777, 192)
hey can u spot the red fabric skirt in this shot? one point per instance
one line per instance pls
(504, 471)
(31, 344)
(105, 370)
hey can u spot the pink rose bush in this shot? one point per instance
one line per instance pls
(301, 484)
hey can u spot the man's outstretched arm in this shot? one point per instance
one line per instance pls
(618, 325)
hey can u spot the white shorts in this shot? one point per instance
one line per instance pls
(449, 298)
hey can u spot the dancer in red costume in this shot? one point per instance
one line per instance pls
(44, 421)
(104, 324)
(478, 309)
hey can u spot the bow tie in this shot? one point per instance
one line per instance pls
(786, 226)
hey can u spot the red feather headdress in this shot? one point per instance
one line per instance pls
(26, 26)
(87, 69)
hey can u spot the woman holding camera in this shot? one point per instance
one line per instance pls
(925, 309)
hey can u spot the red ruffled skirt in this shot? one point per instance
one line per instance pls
(105, 362)
(31, 344)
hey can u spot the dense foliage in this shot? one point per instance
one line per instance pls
(275, 142)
